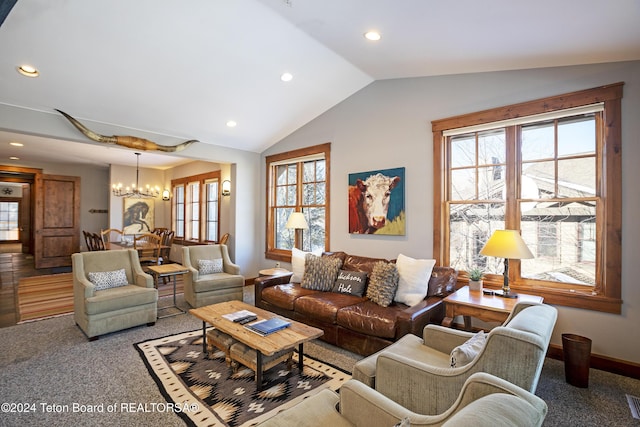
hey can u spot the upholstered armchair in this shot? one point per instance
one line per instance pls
(483, 401)
(212, 277)
(418, 373)
(111, 292)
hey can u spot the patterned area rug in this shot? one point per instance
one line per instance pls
(211, 394)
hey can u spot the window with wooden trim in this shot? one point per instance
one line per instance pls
(195, 207)
(549, 168)
(298, 181)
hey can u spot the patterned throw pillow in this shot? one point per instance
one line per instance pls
(320, 272)
(350, 282)
(465, 353)
(383, 283)
(108, 279)
(210, 266)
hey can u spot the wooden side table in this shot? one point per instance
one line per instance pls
(168, 270)
(274, 272)
(489, 308)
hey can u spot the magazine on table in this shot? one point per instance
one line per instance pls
(266, 327)
(239, 316)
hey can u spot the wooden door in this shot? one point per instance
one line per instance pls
(57, 220)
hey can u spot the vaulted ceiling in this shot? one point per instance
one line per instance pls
(185, 69)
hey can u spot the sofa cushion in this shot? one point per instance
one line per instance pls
(320, 272)
(210, 266)
(324, 306)
(383, 283)
(370, 318)
(298, 263)
(414, 279)
(284, 296)
(108, 279)
(350, 282)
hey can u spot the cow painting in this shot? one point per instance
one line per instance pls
(369, 200)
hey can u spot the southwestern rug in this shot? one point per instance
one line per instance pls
(208, 393)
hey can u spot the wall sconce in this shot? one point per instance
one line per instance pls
(166, 195)
(226, 187)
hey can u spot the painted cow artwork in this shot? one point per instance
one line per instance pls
(369, 203)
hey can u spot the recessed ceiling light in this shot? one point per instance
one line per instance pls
(28, 70)
(286, 77)
(14, 158)
(231, 124)
(372, 35)
(17, 144)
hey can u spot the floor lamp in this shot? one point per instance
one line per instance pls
(507, 244)
(297, 222)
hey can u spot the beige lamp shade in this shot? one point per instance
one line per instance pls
(297, 220)
(506, 244)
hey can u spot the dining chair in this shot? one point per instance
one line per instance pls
(111, 235)
(224, 239)
(87, 239)
(94, 242)
(148, 247)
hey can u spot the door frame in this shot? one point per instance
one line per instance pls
(25, 176)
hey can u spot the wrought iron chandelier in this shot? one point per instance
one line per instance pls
(135, 191)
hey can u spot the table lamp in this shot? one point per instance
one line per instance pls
(507, 244)
(298, 222)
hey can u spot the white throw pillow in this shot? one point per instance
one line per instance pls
(210, 266)
(108, 279)
(297, 263)
(414, 279)
(465, 353)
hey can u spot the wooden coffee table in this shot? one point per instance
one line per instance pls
(296, 334)
(489, 308)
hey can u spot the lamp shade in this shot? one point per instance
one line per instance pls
(506, 244)
(297, 220)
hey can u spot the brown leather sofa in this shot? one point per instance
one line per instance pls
(351, 322)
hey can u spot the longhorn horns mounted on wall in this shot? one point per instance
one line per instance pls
(126, 141)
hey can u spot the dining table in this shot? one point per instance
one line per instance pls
(140, 246)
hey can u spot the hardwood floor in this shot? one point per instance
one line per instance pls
(13, 266)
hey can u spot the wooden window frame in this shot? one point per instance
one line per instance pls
(271, 252)
(202, 180)
(606, 295)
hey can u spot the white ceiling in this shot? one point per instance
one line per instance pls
(183, 69)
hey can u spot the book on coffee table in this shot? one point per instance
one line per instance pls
(239, 315)
(266, 327)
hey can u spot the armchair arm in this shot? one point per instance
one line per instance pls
(84, 283)
(193, 274)
(417, 386)
(444, 339)
(144, 280)
(364, 406)
(228, 266)
(260, 283)
(140, 278)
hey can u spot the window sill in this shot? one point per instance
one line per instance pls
(567, 298)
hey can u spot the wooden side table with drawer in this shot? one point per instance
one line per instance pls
(489, 308)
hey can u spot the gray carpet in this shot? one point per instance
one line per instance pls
(50, 362)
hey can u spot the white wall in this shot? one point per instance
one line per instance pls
(388, 125)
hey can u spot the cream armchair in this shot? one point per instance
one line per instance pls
(204, 288)
(99, 312)
(417, 373)
(484, 401)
